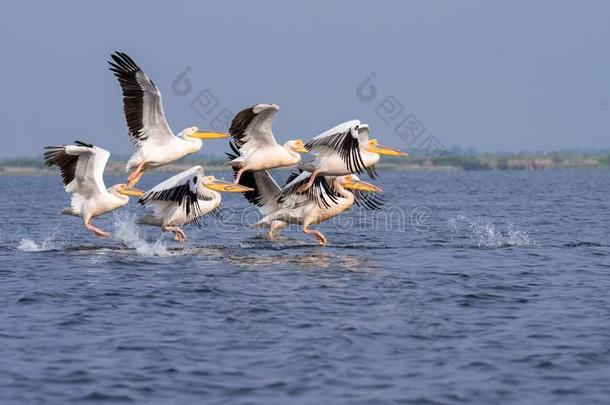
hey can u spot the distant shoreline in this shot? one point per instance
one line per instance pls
(446, 163)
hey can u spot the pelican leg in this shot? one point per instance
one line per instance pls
(96, 231)
(238, 175)
(136, 175)
(319, 236)
(275, 228)
(308, 185)
(179, 234)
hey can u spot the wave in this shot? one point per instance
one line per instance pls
(584, 243)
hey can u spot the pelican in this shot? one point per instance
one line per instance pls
(82, 171)
(327, 198)
(183, 199)
(345, 149)
(148, 129)
(258, 149)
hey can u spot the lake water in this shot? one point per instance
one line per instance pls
(470, 287)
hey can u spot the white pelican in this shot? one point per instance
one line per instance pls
(148, 129)
(258, 150)
(327, 198)
(345, 149)
(82, 171)
(183, 199)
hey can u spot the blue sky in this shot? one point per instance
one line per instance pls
(491, 75)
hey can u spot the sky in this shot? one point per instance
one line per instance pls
(491, 75)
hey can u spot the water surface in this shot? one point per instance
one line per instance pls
(470, 287)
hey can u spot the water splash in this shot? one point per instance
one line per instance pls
(126, 230)
(488, 234)
(28, 245)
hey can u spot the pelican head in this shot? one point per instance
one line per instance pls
(296, 145)
(195, 133)
(213, 183)
(374, 147)
(124, 189)
(352, 182)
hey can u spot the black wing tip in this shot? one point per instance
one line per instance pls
(57, 156)
(320, 192)
(84, 144)
(240, 123)
(122, 63)
(293, 176)
(368, 200)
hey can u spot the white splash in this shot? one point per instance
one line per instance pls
(489, 234)
(126, 230)
(28, 245)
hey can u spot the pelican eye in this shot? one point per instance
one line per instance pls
(195, 180)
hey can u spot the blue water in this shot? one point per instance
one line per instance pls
(474, 288)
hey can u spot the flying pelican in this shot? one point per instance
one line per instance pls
(258, 149)
(148, 129)
(82, 171)
(183, 199)
(327, 198)
(345, 149)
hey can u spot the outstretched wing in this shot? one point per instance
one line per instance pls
(180, 189)
(141, 102)
(343, 140)
(264, 188)
(252, 128)
(81, 166)
(322, 192)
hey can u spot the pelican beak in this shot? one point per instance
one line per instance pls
(132, 192)
(385, 150)
(209, 135)
(226, 187)
(361, 186)
(300, 149)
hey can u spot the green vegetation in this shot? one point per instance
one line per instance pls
(471, 160)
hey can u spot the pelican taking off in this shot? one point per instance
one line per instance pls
(327, 198)
(258, 149)
(183, 199)
(345, 149)
(148, 129)
(82, 171)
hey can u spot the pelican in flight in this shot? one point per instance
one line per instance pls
(183, 199)
(256, 145)
(82, 171)
(345, 149)
(327, 198)
(148, 129)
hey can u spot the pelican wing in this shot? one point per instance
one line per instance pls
(141, 102)
(322, 192)
(363, 138)
(82, 169)
(252, 128)
(181, 189)
(81, 166)
(344, 139)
